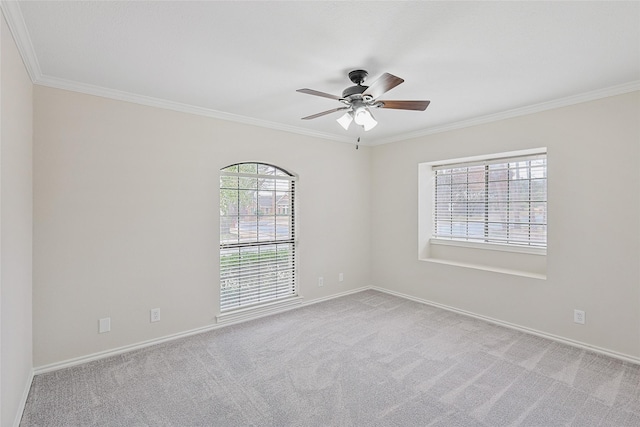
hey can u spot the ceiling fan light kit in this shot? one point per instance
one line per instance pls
(361, 116)
(359, 100)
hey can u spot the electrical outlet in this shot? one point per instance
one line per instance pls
(104, 325)
(341, 277)
(579, 316)
(320, 281)
(155, 315)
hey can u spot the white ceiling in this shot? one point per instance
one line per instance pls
(244, 60)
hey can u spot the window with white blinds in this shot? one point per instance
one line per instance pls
(257, 235)
(500, 201)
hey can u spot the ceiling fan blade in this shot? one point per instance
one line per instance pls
(318, 93)
(385, 83)
(405, 105)
(324, 113)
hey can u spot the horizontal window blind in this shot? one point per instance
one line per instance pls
(500, 200)
(257, 235)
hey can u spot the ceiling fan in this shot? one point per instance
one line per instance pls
(360, 99)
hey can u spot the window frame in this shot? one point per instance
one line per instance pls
(271, 287)
(427, 205)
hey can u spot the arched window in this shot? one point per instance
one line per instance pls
(257, 235)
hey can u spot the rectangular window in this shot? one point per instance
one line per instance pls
(500, 201)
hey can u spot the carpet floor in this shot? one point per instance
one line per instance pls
(367, 359)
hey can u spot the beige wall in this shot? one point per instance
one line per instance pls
(594, 224)
(15, 228)
(126, 217)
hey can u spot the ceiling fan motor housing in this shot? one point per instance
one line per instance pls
(358, 77)
(353, 90)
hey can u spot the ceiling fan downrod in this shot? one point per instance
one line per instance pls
(357, 77)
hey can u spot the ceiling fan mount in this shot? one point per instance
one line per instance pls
(358, 76)
(359, 99)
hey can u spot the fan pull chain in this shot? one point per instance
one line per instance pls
(357, 143)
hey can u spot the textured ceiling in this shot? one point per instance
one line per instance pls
(244, 60)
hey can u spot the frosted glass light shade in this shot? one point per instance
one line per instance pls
(345, 120)
(364, 118)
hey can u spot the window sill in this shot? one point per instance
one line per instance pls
(525, 262)
(490, 246)
(242, 314)
(487, 268)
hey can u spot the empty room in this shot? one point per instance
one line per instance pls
(319, 213)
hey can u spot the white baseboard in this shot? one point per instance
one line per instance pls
(23, 400)
(119, 350)
(338, 295)
(563, 340)
(258, 314)
(127, 348)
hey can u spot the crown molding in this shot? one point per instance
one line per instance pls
(15, 21)
(57, 83)
(17, 26)
(516, 112)
(190, 109)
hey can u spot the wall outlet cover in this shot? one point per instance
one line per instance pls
(104, 325)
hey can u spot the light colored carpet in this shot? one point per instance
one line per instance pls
(368, 359)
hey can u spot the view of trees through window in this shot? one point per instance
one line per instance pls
(503, 201)
(257, 253)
